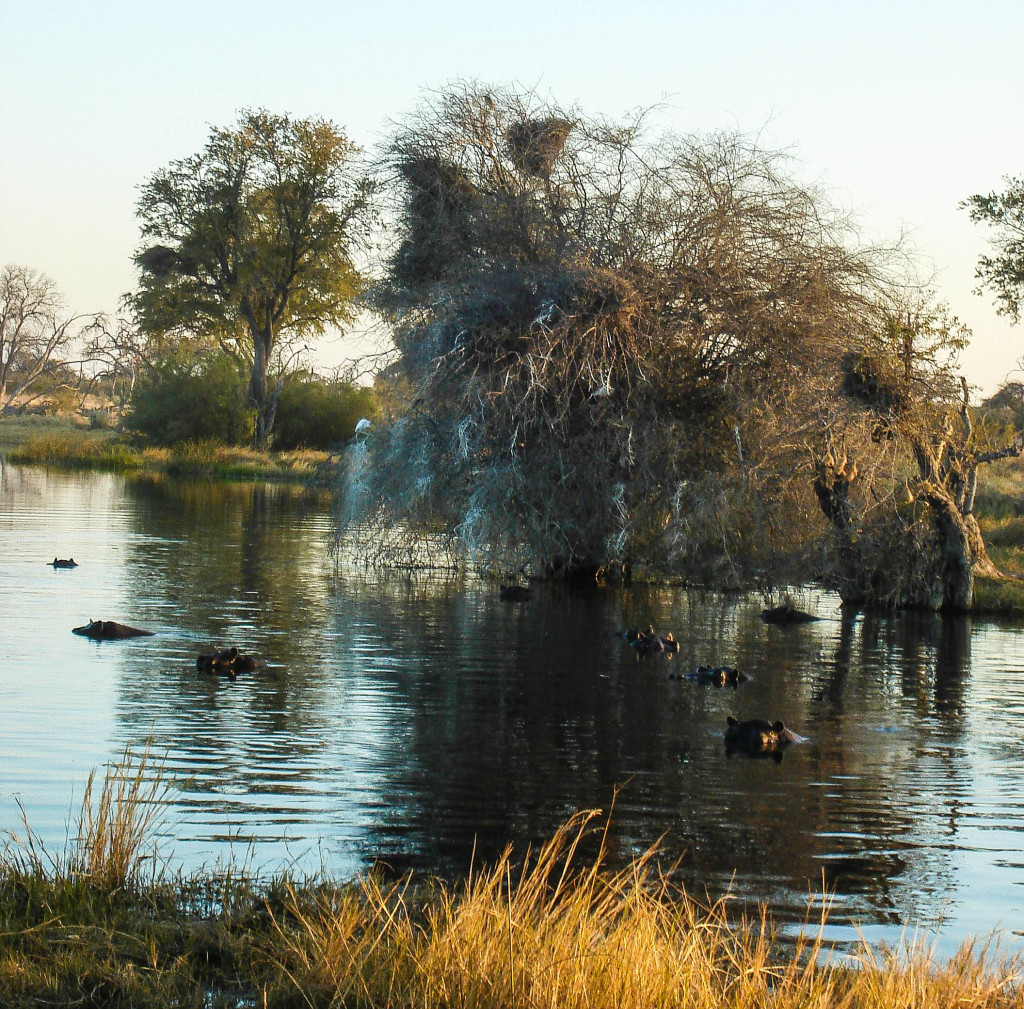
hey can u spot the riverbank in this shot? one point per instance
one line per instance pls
(101, 924)
(71, 443)
(61, 442)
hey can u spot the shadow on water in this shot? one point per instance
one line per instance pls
(417, 720)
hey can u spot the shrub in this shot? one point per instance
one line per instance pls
(191, 397)
(62, 402)
(312, 413)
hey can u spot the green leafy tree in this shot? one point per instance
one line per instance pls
(250, 244)
(1002, 273)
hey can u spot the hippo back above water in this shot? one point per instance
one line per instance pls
(109, 630)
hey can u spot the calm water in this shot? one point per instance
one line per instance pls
(405, 720)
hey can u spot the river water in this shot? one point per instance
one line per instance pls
(411, 721)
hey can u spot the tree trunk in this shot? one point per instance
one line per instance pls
(963, 549)
(832, 487)
(260, 398)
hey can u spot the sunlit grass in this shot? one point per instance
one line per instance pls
(63, 444)
(76, 450)
(998, 596)
(102, 925)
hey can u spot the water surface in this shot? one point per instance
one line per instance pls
(407, 720)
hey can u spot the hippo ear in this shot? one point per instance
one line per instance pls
(779, 726)
(733, 720)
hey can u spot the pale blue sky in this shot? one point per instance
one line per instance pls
(900, 108)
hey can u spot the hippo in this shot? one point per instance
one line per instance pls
(229, 662)
(514, 594)
(757, 737)
(634, 634)
(109, 630)
(724, 676)
(66, 563)
(786, 614)
(649, 642)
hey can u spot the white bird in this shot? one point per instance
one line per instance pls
(603, 390)
(548, 314)
(363, 426)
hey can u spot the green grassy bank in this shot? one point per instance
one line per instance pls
(99, 924)
(60, 442)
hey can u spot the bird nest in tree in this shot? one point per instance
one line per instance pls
(534, 145)
(586, 313)
(874, 382)
(431, 175)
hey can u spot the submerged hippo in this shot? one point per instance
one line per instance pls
(758, 737)
(109, 630)
(227, 662)
(65, 563)
(786, 614)
(650, 642)
(514, 594)
(723, 676)
(634, 634)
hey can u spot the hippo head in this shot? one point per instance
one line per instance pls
(757, 737)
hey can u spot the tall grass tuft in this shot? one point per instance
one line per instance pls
(543, 935)
(115, 830)
(111, 832)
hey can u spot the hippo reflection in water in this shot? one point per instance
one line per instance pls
(758, 737)
(109, 630)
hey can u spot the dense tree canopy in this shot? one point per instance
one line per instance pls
(250, 243)
(614, 349)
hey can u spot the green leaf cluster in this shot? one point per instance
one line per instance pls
(1002, 273)
(319, 415)
(191, 397)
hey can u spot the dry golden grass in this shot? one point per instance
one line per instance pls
(549, 936)
(112, 830)
(92, 928)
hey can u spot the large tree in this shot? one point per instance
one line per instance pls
(613, 347)
(250, 243)
(35, 328)
(1002, 273)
